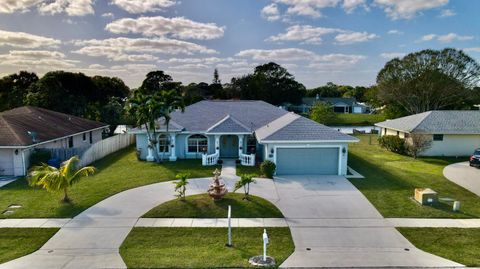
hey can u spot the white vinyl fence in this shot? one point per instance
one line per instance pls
(104, 147)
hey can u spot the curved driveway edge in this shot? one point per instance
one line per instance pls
(92, 239)
(464, 175)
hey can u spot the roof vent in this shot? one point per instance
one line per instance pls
(33, 135)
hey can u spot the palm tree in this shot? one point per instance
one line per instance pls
(146, 109)
(170, 101)
(244, 182)
(181, 185)
(57, 179)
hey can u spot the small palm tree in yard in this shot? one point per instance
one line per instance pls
(244, 182)
(181, 185)
(59, 179)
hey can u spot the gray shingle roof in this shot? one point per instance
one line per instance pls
(201, 116)
(229, 125)
(437, 122)
(303, 129)
(331, 100)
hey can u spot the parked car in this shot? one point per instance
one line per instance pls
(475, 158)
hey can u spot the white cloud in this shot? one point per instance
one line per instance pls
(407, 9)
(305, 33)
(96, 66)
(25, 40)
(447, 38)
(12, 6)
(178, 27)
(335, 62)
(288, 54)
(350, 5)
(143, 6)
(447, 13)
(311, 8)
(271, 12)
(36, 58)
(137, 49)
(391, 55)
(395, 32)
(108, 15)
(474, 49)
(354, 37)
(70, 7)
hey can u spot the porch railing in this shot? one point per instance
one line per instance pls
(211, 159)
(247, 159)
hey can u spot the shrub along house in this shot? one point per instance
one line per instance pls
(249, 131)
(452, 133)
(24, 129)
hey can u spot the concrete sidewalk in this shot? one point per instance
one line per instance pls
(244, 222)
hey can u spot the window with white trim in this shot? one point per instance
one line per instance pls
(163, 143)
(197, 144)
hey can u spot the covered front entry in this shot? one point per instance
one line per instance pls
(229, 146)
(307, 161)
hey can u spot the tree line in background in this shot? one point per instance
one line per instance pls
(421, 81)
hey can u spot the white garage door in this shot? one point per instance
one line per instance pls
(6, 162)
(307, 161)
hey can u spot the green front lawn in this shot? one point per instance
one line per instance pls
(202, 206)
(18, 242)
(254, 170)
(390, 180)
(459, 245)
(117, 172)
(358, 119)
(201, 247)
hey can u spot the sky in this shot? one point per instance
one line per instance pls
(342, 41)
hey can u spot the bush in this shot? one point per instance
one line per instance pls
(392, 143)
(268, 168)
(39, 156)
(323, 113)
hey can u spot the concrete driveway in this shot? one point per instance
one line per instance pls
(334, 225)
(464, 175)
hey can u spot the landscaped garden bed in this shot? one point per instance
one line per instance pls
(117, 172)
(390, 181)
(203, 206)
(459, 245)
(201, 247)
(18, 242)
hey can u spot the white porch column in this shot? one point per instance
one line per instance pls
(150, 157)
(240, 145)
(173, 146)
(217, 145)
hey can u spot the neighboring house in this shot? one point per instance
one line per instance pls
(453, 133)
(250, 131)
(339, 105)
(27, 128)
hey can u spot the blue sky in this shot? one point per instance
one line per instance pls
(343, 41)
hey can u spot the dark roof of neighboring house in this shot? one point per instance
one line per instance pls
(332, 100)
(437, 122)
(48, 125)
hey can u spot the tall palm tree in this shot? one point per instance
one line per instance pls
(146, 109)
(57, 179)
(170, 101)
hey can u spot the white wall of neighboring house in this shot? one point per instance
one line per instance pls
(452, 144)
(12, 164)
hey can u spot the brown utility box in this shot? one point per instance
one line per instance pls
(425, 196)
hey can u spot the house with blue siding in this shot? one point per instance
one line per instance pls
(249, 131)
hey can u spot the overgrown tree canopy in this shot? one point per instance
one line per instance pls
(14, 88)
(271, 83)
(429, 80)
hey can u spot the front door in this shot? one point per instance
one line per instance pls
(229, 146)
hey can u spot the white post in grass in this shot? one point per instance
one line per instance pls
(265, 242)
(229, 226)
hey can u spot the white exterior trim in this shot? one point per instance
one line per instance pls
(306, 141)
